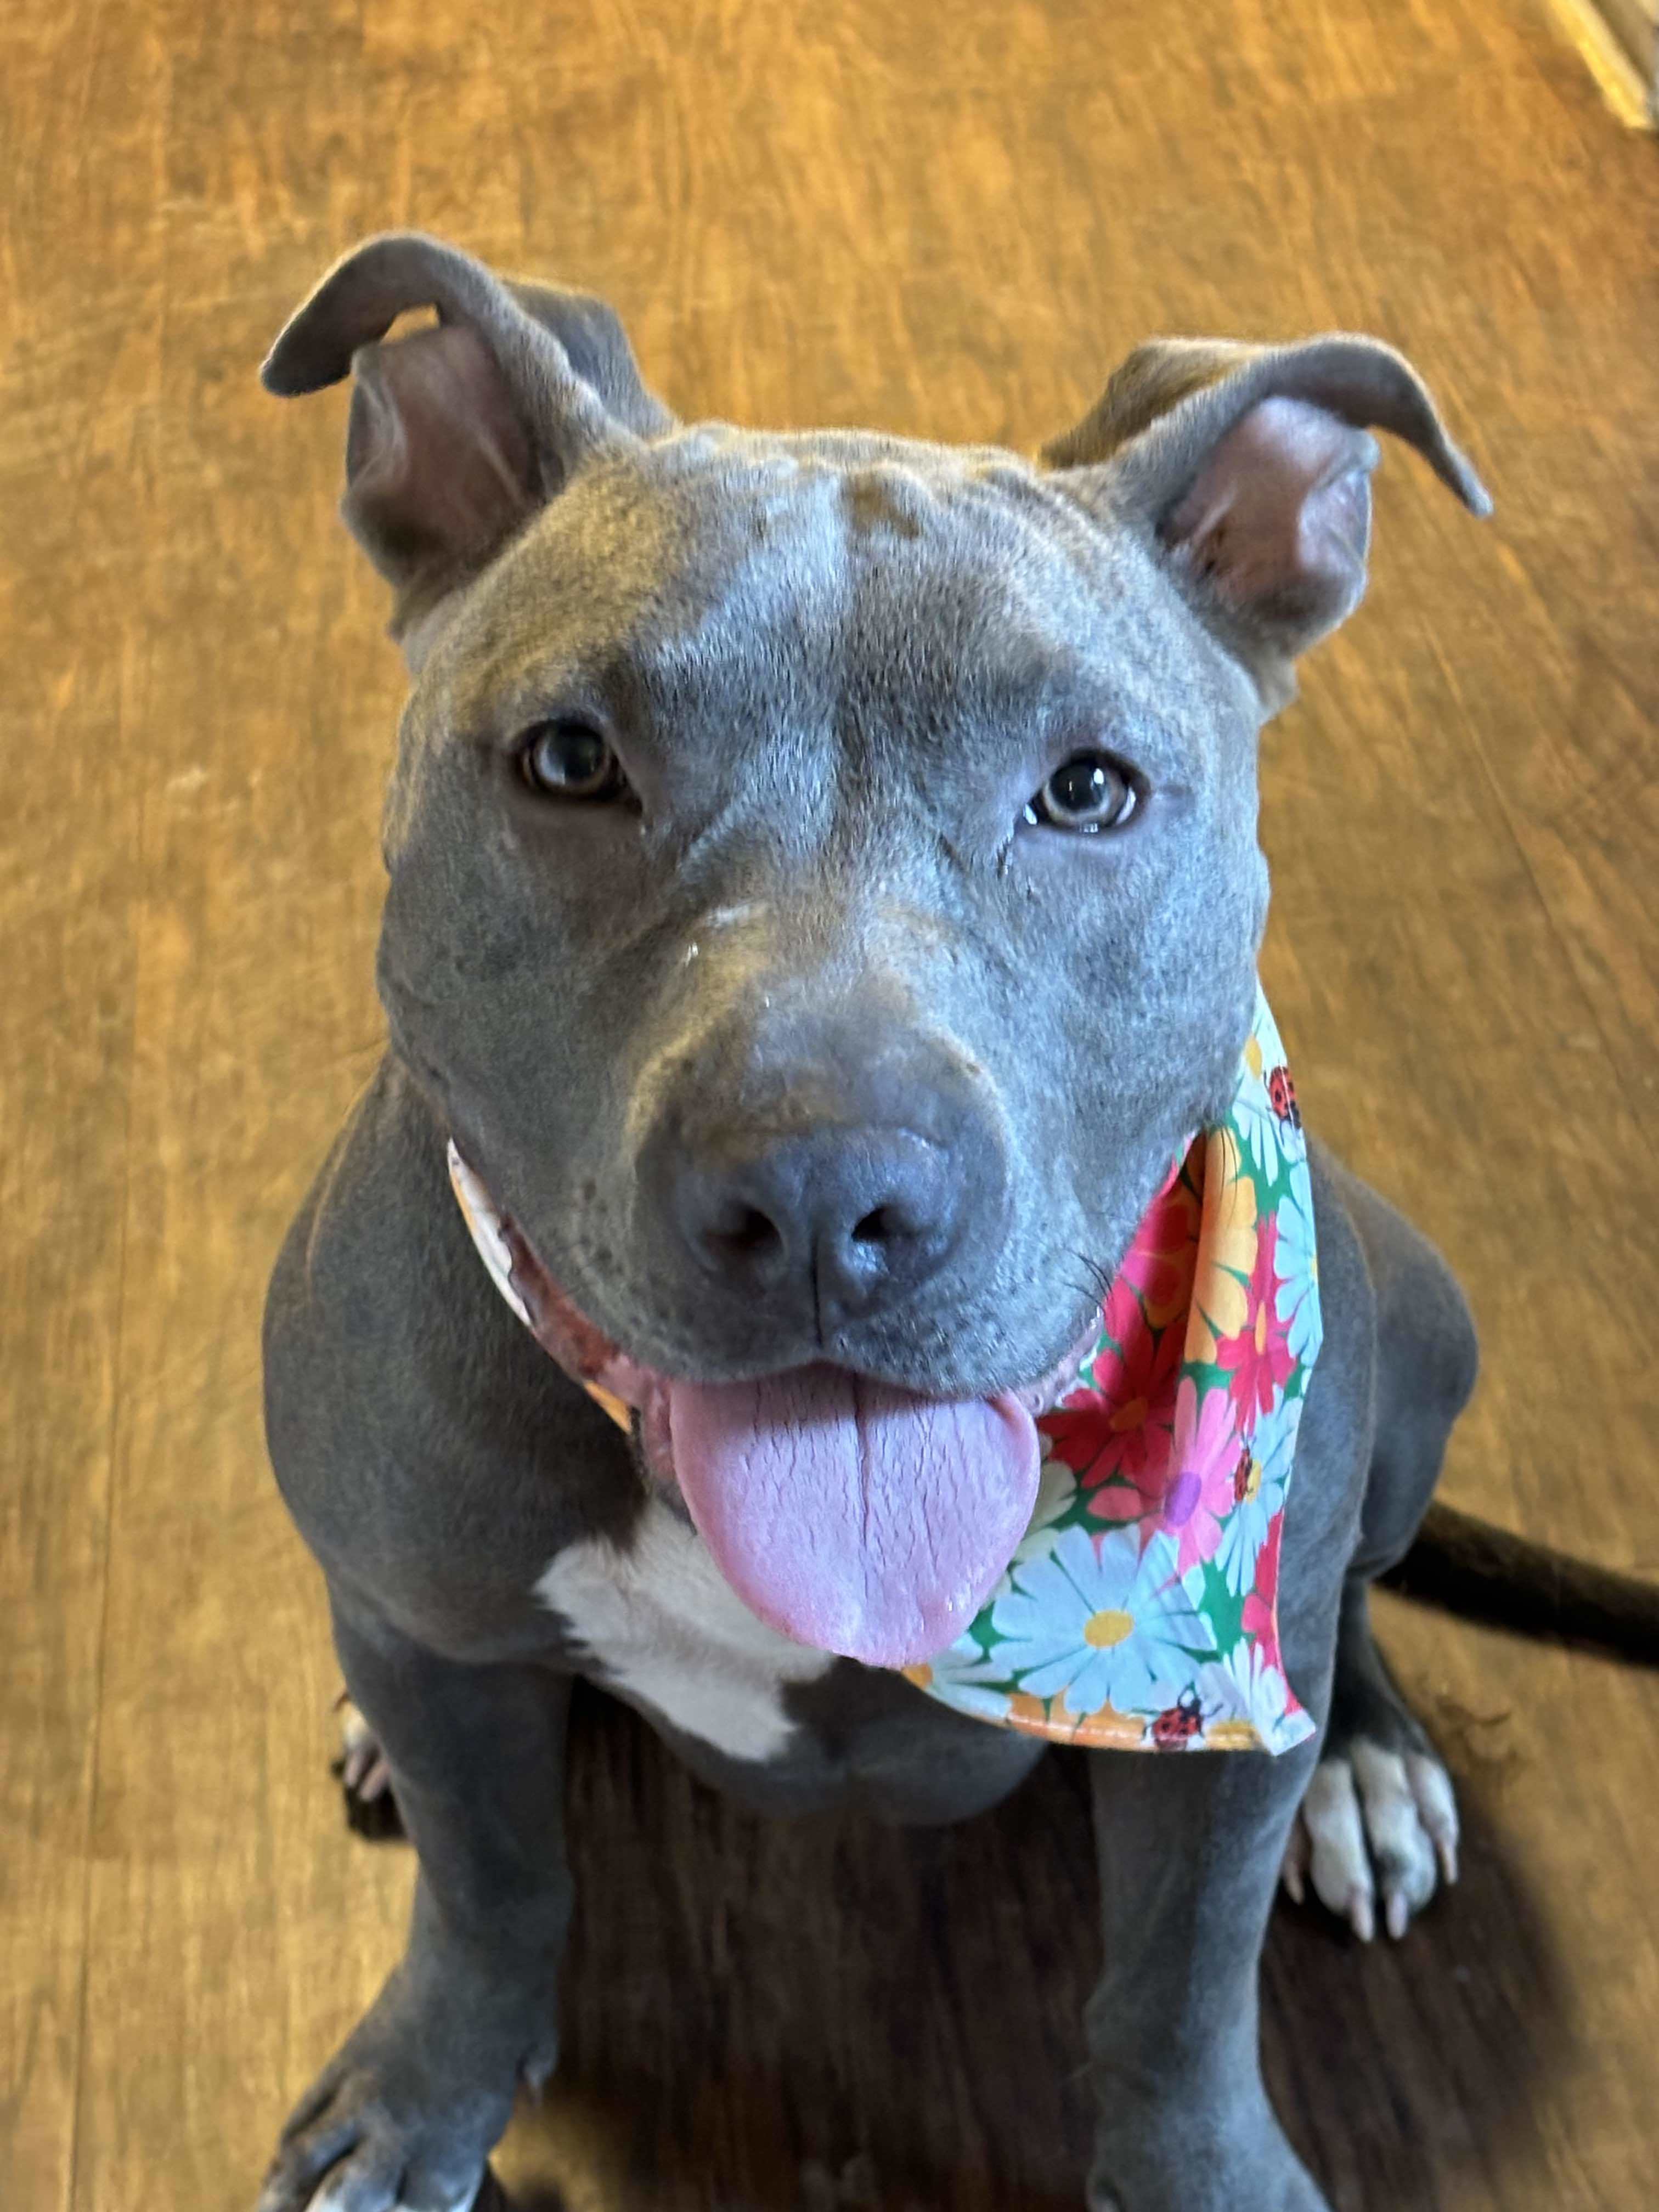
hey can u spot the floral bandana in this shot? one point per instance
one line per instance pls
(1140, 1609)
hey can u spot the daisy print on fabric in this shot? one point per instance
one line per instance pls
(1261, 1619)
(1258, 1360)
(965, 1678)
(1157, 1267)
(1227, 1238)
(1056, 1498)
(1245, 1683)
(1056, 1495)
(1261, 1473)
(1260, 1126)
(1203, 1491)
(1084, 1625)
(1296, 1303)
(1120, 1451)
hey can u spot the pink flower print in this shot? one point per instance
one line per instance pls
(1118, 1431)
(1162, 1252)
(1200, 1494)
(1261, 1620)
(1121, 1324)
(1258, 1359)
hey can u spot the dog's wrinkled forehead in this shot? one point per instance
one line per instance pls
(840, 583)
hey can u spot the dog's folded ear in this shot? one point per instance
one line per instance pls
(1250, 465)
(459, 433)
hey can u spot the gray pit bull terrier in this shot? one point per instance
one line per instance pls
(824, 893)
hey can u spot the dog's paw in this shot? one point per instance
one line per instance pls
(347, 2149)
(1377, 1825)
(1376, 1834)
(365, 1778)
(404, 2116)
(390, 2127)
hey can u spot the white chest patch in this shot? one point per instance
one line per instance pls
(674, 1639)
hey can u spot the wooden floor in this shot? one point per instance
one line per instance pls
(952, 221)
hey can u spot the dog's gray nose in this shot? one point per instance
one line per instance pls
(851, 1216)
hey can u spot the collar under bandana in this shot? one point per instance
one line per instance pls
(1140, 1608)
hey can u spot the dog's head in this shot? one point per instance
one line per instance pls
(825, 883)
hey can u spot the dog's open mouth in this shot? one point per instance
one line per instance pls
(851, 1515)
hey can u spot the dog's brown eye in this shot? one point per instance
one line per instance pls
(1088, 792)
(568, 760)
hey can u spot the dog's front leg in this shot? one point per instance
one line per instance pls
(1190, 1846)
(407, 2110)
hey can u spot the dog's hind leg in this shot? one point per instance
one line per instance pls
(1379, 1824)
(364, 1774)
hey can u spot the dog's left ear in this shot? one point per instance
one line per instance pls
(1250, 467)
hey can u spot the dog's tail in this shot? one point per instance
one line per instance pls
(1469, 1568)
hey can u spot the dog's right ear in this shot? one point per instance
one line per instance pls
(458, 433)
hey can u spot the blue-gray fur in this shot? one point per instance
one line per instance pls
(836, 666)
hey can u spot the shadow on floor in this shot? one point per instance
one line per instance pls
(799, 2016)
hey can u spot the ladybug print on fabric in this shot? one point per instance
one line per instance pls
(1282, 1096)
(1179, 1727)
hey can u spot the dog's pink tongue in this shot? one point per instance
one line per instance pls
(853, 1516)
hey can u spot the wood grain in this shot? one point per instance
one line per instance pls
(80, 383)
(952, 226)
